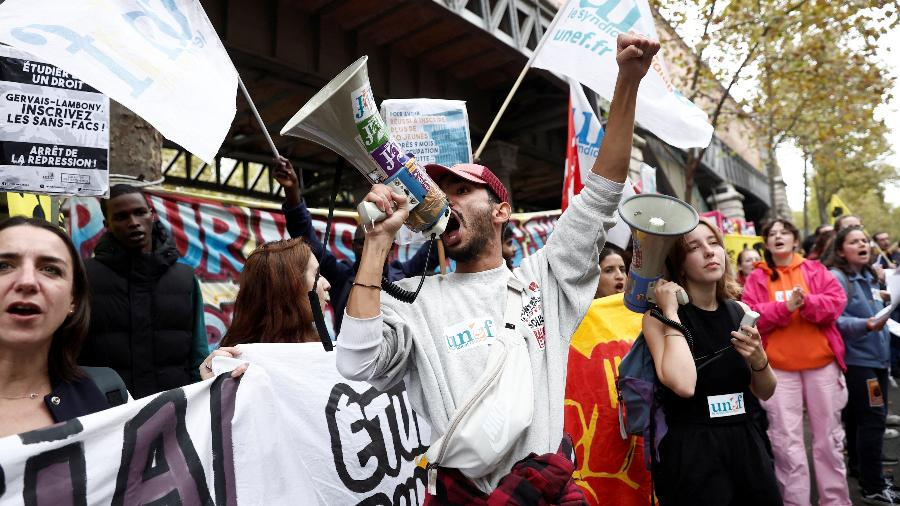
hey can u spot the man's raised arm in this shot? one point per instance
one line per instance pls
(634, 55)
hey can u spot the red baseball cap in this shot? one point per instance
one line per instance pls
(473, 172)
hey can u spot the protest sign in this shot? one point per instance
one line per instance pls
(611, 470)
(161, 59)
(581, 44)
(214, 238)
(282, 434)
(434, 131)
(55, 135)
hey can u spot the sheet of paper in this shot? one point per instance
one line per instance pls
(892, 279)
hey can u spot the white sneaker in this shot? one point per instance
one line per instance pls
(892, 419)
(891, 433)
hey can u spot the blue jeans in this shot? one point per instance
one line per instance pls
(866, 410)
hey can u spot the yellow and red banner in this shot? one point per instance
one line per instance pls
(610, 470)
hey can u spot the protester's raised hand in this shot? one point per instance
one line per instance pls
(287, 177)
(393, 205)
(634, 53)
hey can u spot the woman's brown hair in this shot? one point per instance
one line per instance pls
(69, 337)
(272, 305)
(726, 286)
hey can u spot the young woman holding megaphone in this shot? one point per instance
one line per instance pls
(711, 374)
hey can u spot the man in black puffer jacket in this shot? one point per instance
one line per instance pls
(146, 308)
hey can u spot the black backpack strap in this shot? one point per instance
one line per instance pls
(735, 311)
(109, 383)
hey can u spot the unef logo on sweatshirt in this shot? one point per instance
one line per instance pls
(470, 334)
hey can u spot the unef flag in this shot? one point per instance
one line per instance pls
(581, 44)
(161, 59)
(585, 136)
(611, 470)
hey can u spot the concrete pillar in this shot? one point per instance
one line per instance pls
(135, 147)
(501, 158)
(728, 201)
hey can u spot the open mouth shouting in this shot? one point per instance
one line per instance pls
(23, 311)
(451, 235)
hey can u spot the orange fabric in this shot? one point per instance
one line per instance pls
(802, 344)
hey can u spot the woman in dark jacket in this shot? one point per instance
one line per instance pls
(44, 314)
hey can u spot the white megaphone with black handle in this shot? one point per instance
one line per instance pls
(656, 222)
(343, 117)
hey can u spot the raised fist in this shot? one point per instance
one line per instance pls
(634, 53)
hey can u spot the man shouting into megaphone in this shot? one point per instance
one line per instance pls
(483, 350)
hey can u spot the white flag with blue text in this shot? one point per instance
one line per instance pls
(581, 44)
(160, 58)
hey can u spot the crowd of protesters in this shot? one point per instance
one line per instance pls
(817, 347)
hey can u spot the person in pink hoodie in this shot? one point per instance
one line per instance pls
(799, 302)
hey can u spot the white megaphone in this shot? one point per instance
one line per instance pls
(656, 222)
(343, 117)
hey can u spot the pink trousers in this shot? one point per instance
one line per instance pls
(824, 393)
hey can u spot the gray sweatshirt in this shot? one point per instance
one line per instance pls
(438, 343)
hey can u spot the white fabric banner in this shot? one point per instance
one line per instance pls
(160, 58)
(582, 44)
(291, 431)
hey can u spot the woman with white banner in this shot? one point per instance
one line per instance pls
(272, 305)
(44, 320)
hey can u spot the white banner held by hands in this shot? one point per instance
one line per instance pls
(582, 44)
(161, 59)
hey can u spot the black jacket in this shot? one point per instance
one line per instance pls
(142, 314)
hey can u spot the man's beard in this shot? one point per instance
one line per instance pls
(480, 230)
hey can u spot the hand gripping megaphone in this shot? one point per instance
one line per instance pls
(656, 222)
(343, 117)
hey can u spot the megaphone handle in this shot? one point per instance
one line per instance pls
(369, 213)
(682, 297)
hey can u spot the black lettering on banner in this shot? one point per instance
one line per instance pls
(56, 477)
(184, 482)
(221, 406)
(2, 482)
(405, 494)
(361, 475)
(53, 433)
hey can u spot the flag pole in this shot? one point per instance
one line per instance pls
(515, 86)
(258, 118)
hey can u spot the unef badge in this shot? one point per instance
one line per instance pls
(725, 405)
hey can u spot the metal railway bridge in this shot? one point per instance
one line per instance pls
(472, 50)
